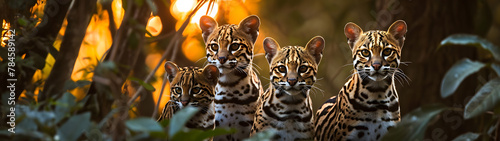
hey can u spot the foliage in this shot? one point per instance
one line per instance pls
(65, 123)
(414, 124)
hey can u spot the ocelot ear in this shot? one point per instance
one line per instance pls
(352, 32)
(171, 69)
(250, 26)
(271, 47)
(398, 30)
(211, 72)
(207, 25)
(315, 48)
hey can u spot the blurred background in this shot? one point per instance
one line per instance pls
(291, 22)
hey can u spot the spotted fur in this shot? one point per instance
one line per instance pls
(286, 106)
(192, 86)
(230, 48)
(367, 106)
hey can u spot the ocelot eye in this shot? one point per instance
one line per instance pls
(282, 69)
(195, 90)
(365, 52)
(387, 52)
(177, 90)
(302, 69)
(234, 47)
(214, 47)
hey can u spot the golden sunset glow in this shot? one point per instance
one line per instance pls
(118, 12)
(151, 61)
(5, 28)
(193, 49)
(184, 5)
(154, 26)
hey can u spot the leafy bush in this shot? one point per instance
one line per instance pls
(413, 125)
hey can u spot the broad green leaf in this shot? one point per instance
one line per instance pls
(413, 125)
(29, 127)
(143, 124)
(485, 99)
(180, 119)
(469, 136)
(472, 40)
(46, 118)
(63, 105)
(74, 127)
(457, 73)
(496, 68)
(147, 86)
(266, 135)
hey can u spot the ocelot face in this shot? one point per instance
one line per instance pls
(293, 68)
(230, 47)
(376, 54)
(191, 85)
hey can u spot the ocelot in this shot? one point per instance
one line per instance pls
(192, 86)
(367, 105)
(286, 106)
(230, 48)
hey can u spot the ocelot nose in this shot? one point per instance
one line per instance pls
(376, 66)
(292, 81)
(223, 59)
(184, 102)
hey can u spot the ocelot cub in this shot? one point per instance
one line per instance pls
(230, 48)
(286, 106)
(192, 86)
(367, 106)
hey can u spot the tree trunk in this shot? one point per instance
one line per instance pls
(78, 19)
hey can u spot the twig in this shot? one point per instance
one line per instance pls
(177, 35)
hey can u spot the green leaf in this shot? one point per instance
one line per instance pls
(46, 118)
(74, 127)
(63, 105)
(472, 40)
(496, 68)
(180, 119)
(143, 124)
(469, 136)
(485, 99)
(147, 86)
(413, 125)
(457, 73)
